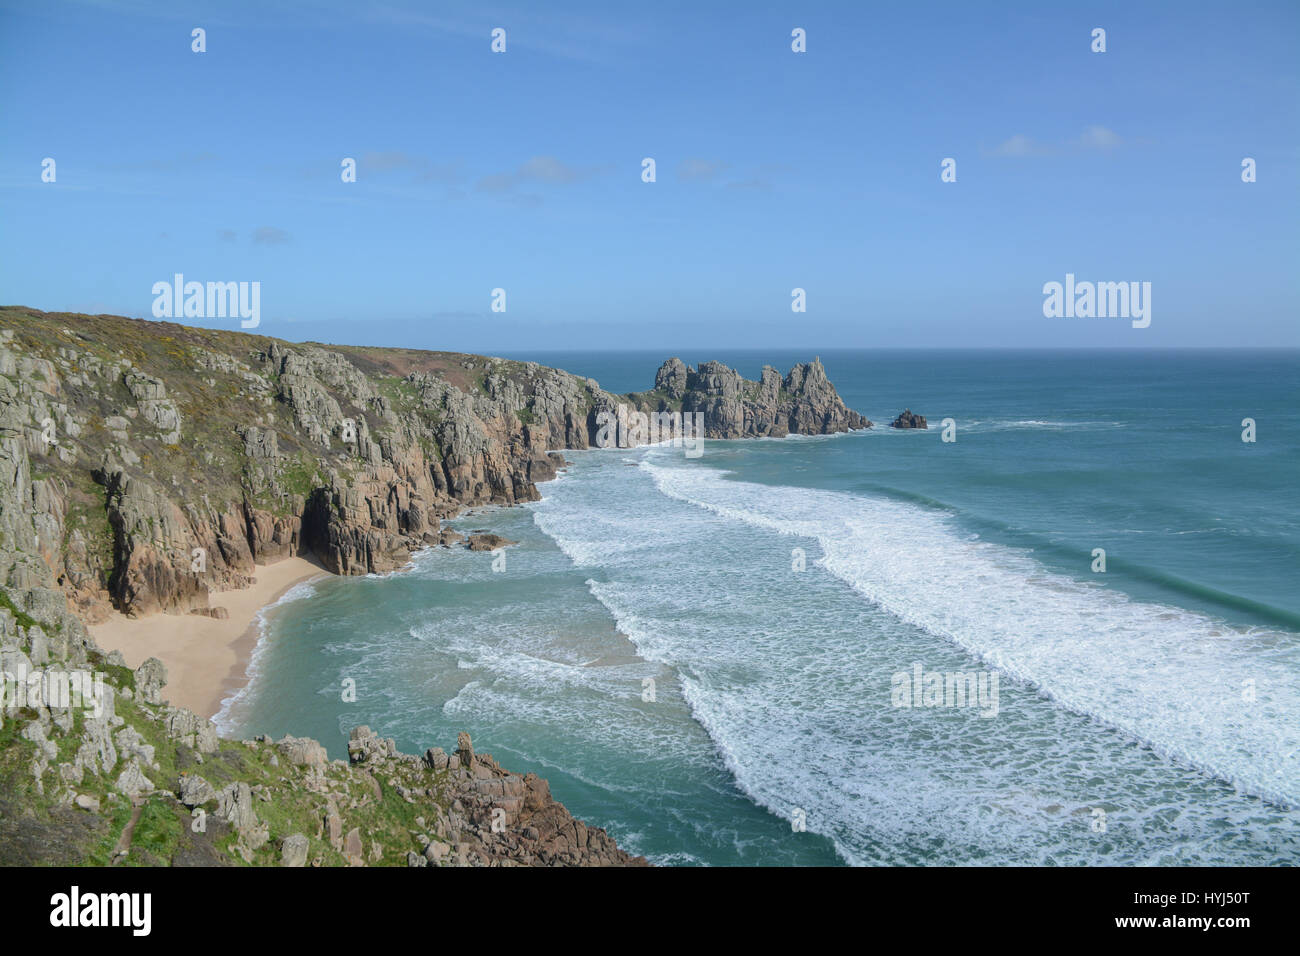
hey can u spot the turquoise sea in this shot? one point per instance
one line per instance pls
(1149, 714)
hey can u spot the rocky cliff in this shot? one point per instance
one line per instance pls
(147, 467)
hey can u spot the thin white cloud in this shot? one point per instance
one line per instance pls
(548, 169)
(1099, 137)
(1020, 145)
(538, 169)
(697, 170)
(423, 168)
(270, 236)
(1093, 138)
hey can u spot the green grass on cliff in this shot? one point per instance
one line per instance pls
(157, 832)
(88, 514)
(401, 393)
(300, 476)
(38, 829)
(22, 617)
(656, 399)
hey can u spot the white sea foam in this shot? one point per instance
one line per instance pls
(1169, 677)
(789, 676)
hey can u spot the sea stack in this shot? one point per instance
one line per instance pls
(908, 420)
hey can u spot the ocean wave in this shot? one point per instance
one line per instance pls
(1171, 678)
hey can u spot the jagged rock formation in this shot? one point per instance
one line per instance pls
(155, 464)
(804, 402)
(908, 420)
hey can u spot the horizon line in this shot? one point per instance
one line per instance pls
(585, 349)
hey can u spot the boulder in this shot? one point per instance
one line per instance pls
(294, 850)
(194, 791)
(363, 745)
(303, 751)
(352, 848)
(132, 782)
(150, 679)
(334, 828)
(235, 806)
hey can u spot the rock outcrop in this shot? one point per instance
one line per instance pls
(908, 420)
(803, 402)
(485, 541)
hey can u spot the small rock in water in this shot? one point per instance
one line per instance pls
(908, 420)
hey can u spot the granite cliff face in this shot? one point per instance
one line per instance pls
(156, 464)
(147, 467)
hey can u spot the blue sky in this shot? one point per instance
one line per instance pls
(775, 170)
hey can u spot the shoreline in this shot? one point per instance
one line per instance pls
(206, 659)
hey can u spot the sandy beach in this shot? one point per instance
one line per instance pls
(206, 659)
